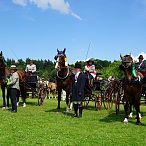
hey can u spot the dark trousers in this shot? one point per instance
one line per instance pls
(8, 96)
(13, 96)
(76, 107)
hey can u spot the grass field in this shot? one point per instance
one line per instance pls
(44, 126)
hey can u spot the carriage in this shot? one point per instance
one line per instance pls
(95, 94)
(114, 95)
(31, 84)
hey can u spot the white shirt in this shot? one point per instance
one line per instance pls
(30, 68)
(76, 76)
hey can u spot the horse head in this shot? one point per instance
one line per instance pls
(126, 66)
(60, 59)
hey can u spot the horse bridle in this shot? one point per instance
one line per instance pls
(62, 78)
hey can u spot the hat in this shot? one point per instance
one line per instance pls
(140, 57)
(90, 59)
(78, 65)
(13, 67)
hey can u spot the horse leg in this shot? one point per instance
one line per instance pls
(131, 114)
(126, 112)
(138, 115)
(71, 103)
(3, 95)
(59, 99)
(23, 94)
(67, 102)
(18, 95)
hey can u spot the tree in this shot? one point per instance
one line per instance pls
(112, 70)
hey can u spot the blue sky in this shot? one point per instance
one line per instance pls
(36, 28)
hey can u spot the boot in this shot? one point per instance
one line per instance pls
(80, 111)
(76, 110)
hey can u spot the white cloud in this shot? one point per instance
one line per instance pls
(20, 2)
(58, 5)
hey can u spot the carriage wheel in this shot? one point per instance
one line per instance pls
(108, 99)
(86, 101)
(98, 100)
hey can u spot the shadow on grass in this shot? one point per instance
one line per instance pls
(62, 110)
(112, 117)
(89, 107)
(29, 103)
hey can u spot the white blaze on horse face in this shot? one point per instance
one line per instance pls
(56, 66)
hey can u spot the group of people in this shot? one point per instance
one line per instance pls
(13, 87)
(78, 83)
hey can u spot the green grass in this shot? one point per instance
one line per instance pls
(44, 126)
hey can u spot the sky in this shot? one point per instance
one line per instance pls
(100, 29)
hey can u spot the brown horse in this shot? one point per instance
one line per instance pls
(51, 89)
(63, 78)
(4, 74)
(132, 88)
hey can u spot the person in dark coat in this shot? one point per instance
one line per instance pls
(77, 90)
(142, 65)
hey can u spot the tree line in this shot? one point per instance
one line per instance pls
(46, 68)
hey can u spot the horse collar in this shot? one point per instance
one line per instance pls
(62, 78)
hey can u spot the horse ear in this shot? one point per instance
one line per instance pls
(130, 54)
(64, 50)
(1, 53)
(121, 57)
(57, 50)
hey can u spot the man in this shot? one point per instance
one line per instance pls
(30, 68)
(141, 65)
(13, 84)
(77, 90)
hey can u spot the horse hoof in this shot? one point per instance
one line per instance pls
(130, 116)
(138, 123)
(17, 103)
(140, 117)
(24, 104)
(3, 108)
(125, 121)
(59, 110)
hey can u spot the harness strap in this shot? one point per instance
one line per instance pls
(62, 78)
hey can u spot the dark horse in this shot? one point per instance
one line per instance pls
(132, 88)
(63, 77)
(4, 73)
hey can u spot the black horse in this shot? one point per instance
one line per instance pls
(132, 88)
(63, 77)
(3, 74)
